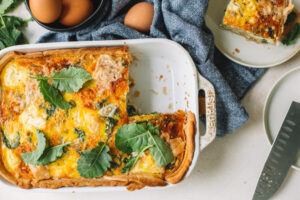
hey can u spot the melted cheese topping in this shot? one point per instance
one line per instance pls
(146, 164)
(13, 76)
(11, 160)
(263, 18)
(33, 117)
(65, 167)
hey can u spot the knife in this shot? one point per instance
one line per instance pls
(282, 155)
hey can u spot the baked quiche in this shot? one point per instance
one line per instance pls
(259, 20)
(64, 121)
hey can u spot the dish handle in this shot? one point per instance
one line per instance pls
(210, 112)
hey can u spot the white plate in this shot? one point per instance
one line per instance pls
(250, 53)
(279, 100)
(167, 80)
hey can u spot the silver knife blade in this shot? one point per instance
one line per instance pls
(282, 155)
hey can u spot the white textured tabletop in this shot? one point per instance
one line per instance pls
(228, 169)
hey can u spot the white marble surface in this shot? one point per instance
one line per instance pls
(228, 169)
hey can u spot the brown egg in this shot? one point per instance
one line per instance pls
(46, 11)
(140, 17)
(75, 11)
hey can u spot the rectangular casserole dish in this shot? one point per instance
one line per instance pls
(166, 79)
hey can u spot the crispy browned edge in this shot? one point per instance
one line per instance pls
(250, 36)
(132, 181)
(189, 129)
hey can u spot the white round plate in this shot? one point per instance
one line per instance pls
(279, 100)
(243, 51)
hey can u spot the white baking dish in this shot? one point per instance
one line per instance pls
(167, 79)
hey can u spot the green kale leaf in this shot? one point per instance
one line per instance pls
(136, 137)
(7, 5)
(13, 21)
(94, 163)
(52, 96)
(32, 157)
(132, 138)
(69, 79)
(42, 155)
(10, 36)
(160, 152)
(52, 154)
(10, 33)
(293, 35)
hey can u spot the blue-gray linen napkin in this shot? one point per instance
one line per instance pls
(181, 21)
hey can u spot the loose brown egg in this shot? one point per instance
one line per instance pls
(140, 17)
(46, 11)
(75, 11)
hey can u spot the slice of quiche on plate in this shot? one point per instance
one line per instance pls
(64, 122)
(259, 20)
(262, 33)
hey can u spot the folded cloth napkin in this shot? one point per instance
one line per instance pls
(181, 21)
